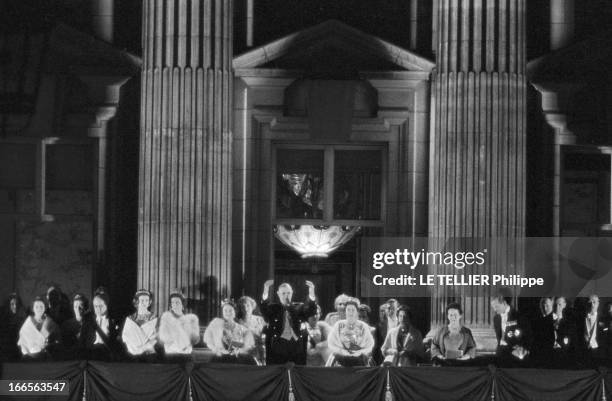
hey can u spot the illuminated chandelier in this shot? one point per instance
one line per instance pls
(314, 241)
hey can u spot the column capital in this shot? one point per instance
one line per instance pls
(557, 104)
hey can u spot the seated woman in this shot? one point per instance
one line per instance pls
(78, 332)
(178, 332)
(58, 305)
(350, 340)
(453, 341)
(317, 351)
(140, 329)
(339, 305)
(12, 317)
(39, 333)
(403, 344)
(255, 323)
(105, 345)
(364, 316)
(230, 341)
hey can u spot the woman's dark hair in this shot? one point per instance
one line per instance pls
(230, 302)
(179, 295)
(393, 301)
(365, 308)
(406, 310)
(37, 299)
(7, 307)
(13, 295)
(240, 306)
(103, 295)
(83, 299)
(352, 302)
(543, 301)
(568, 304)
(139, 293)
(364, 313)
(55, 297)
(454, 305)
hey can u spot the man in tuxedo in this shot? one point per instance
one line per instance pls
(285, 339)
(544, 333)
(512, 331)
(591, 334)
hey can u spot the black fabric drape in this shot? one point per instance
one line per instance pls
(136, 382)
(221, 382)
(547, 385)
(431, 383)
(607, 378)
(72, 371)
(338, 384)
(225, 382)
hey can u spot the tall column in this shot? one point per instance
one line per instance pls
(250, 18)
(561, 23)
(477, 163)
(102, 13)
(414, 20)
(185, 152)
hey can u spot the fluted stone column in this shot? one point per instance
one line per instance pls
(102, 19)
(477, 171)
(185, 152)
(561, 23)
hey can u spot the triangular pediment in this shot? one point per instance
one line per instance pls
(55, 48)
(332, 46)
(578, 62)
(81, 52)
(58, 48)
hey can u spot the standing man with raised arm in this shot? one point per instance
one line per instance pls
(285, 339)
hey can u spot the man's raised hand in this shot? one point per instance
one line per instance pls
(266, 290)
(311, 289)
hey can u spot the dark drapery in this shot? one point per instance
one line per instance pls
(338, 383)
(429, 383)
(136, 382)
(606, 376)
(72, 371)
(547, 385)
(217, 382)
(220, 382)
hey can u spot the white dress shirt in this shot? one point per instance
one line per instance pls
(591, 330)
(102, 322)
(504, 323)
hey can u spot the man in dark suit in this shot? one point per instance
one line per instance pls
(285, 339)
(544, 334)
(591, 334)
(512, 331)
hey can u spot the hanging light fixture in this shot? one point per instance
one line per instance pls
(314, 241)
